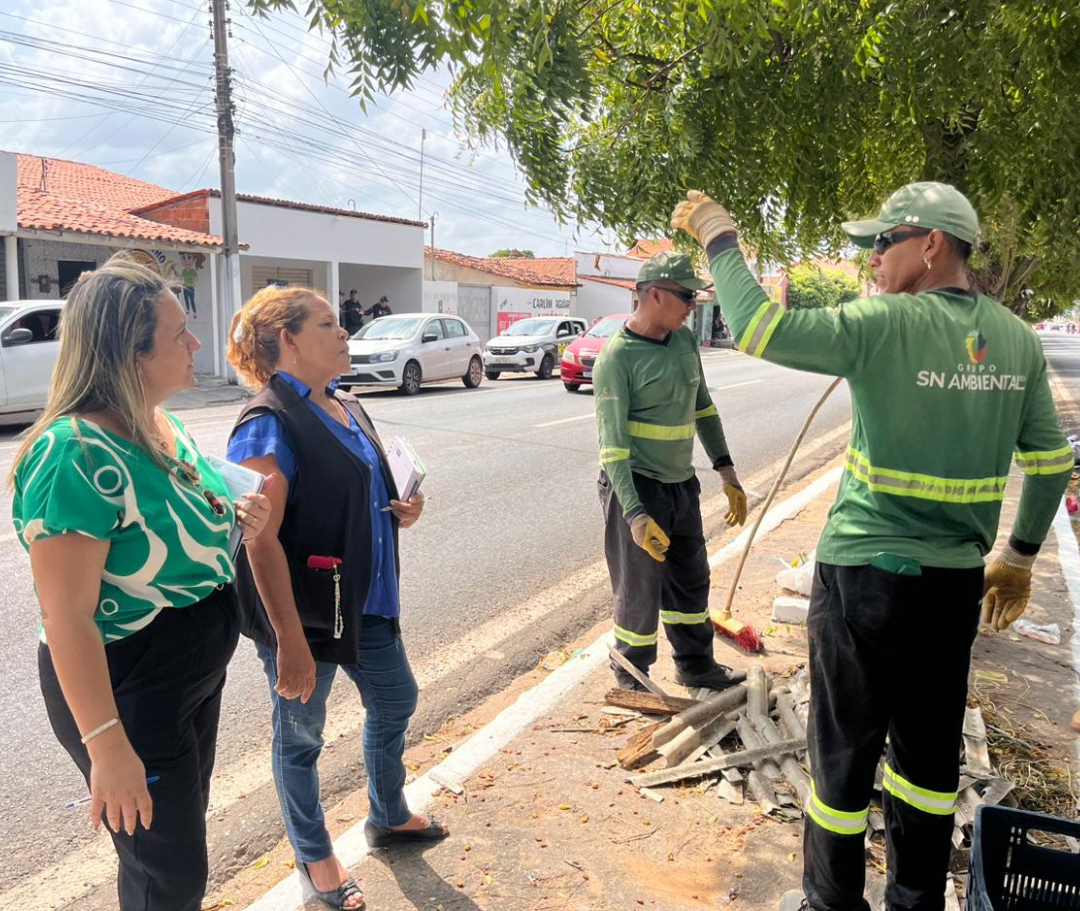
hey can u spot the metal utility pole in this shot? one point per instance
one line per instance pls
(420, 202)
(434, 215)
(231, 293)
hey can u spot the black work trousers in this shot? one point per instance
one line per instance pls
(647, 591)
(889, 657)
(167, 680)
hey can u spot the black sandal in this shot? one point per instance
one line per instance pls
(379, 837)
(335, 898)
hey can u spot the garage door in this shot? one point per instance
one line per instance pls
(261, 276)
(474, 306)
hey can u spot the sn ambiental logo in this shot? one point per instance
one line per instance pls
(976, 346)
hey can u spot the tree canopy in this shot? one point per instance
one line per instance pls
(513, 253)
(811, 285)
(794, 113)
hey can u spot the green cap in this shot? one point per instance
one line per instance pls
(676, 267)
(926, 204)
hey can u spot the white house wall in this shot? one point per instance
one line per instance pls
(403, 286)
(595, 299)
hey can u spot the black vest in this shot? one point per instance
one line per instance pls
(328, 514)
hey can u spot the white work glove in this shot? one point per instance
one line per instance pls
(1007, 588)
(736, 496)
(702, 217)
(649, 536)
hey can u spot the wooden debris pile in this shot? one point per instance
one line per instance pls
(750, 740)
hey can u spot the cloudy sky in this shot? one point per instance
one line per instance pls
(128, 85)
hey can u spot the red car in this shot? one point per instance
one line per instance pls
(580, 355)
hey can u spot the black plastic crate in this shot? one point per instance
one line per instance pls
(1009, 873)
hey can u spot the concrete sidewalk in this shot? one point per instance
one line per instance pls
(545, 818)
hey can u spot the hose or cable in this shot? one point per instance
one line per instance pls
(772, 493)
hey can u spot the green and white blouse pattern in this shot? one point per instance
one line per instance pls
(168, 547)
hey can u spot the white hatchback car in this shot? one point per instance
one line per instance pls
(405, 350)
(28, 349)
(532, 345)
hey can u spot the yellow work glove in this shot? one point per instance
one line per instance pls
(736, 496)
(649, 536)
(702, 217)
(1007, 588)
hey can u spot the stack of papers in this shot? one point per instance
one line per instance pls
(408, 471)
(239, 480)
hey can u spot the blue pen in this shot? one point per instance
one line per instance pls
(82, 801)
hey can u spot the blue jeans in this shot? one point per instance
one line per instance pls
(388, 692)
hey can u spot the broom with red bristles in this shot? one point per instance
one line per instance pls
(743, 635)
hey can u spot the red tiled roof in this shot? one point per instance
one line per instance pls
(550, 271)
(287, 204)
(644, 249)
(59, 195)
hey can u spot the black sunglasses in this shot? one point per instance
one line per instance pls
(689, 298)
(887, 238)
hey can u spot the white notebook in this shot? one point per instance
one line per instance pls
(406, 467)
(239, 480)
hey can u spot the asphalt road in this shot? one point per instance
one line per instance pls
(1063, 353)
(512, 513)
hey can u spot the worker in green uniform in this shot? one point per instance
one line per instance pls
(946, 385)
(651, 402)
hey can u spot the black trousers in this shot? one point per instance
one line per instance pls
(167, 680)
(889, 657)
(646, 591)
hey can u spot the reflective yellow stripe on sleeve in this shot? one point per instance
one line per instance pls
(937, 803)
(705, 413)
(842, 822)
(636, 639)
(1053, 462)
(923, 486)
(762, 326)
(613, 454)
(661, 431)
(676, 617)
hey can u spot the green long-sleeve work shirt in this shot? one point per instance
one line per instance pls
(651, 401)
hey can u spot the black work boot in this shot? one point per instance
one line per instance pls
(717, 677)
(626, 682)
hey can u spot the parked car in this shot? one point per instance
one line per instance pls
(28, 350)
(408, 349)
(532, 345)
(580, 356)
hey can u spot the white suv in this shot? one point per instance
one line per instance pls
(533, 345)
(28, 350)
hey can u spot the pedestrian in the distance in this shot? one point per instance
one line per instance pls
(353, 313)
(128, 527)
(946, 384)
(381, 308)
(651, 402)
(320, 591)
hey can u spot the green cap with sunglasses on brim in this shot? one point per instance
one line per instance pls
(675, 267)
(926, 204)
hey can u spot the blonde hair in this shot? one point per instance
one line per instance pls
(109, 320)
(255, 331)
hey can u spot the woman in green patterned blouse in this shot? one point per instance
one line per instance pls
(127, 527)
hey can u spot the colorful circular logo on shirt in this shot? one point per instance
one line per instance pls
(976, 346)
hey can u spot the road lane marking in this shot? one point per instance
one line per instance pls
(737, 385)
(580, 417)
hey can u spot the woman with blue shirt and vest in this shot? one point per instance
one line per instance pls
(319, 591)
(128, 529)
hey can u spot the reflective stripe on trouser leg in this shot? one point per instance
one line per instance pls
(839, 822)
(937, 803)
(636, 584)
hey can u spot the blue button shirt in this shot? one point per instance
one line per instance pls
(265, 435)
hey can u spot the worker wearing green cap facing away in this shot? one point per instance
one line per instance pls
(651, 401)
(946, 386)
